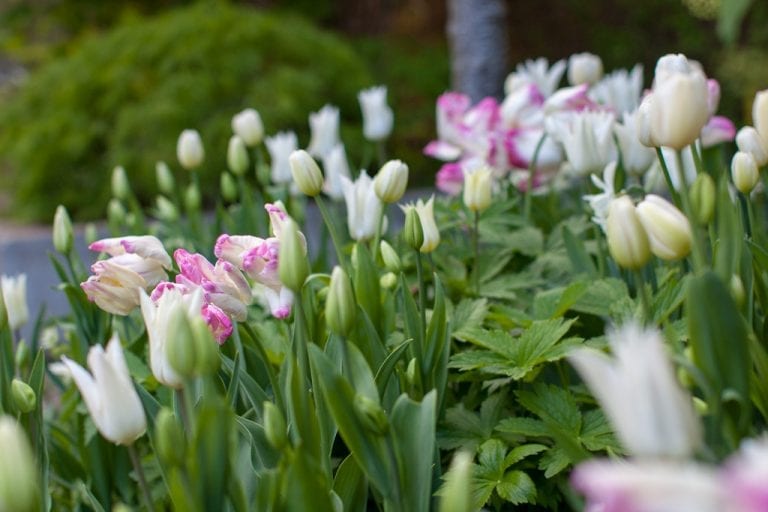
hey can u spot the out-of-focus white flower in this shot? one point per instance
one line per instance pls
(652, 415)
(521, 148)
(760, 115)
(335, 166)
(478, 184)
(600, 202)
(363, 207)
(745, 474)
(536, 72)
(324, 131)
(189, 149)
(635, 157)
(280, 146)
(248, 126)
(237, 156)
(679, 176)
(522, 108)
(668, 229)
(569, 99)
(378, 118)
(717, 130)
(306, 173)
(587, 138)
(619, 90)
(14, 290)
(584, 68)
(748, 140)
(391, 180)
(109, 394)
(648, 486)
(19, 482)
(744, 172)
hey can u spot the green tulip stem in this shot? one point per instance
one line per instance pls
(698, 254)
(645, 298)
(668, 178)
(146, 495)
(379, 229)
(327, 218)
(184, 409)
(270, 369)
(746, 214)
(422, 290)
(527, 205)
(476, 248)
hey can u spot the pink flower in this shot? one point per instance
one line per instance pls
(570, 99)
(718, 129)
(522, 108)
(521, 145)
(450, 179)
(148, 247)
(451, 108)
(218, 322)
(745, 476)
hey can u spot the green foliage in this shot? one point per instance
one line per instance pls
(123, 98)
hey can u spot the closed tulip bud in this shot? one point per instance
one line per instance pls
(189, 149)
(388, 280)
(760, 115)
(410, 372)
(389, 257)
(164, 177)
(428, 225)
(703, 198)
(477, 188)
(274, 426)
(120, 187)
(237, 156)
(748, 140)
(668, 229)
(584, 68)
(192, 198)
(24, 397)
(413, 234)
(293, 267)
(627, 240)
(169, 438)
(19, 489)
(180, 346)
(371, 415)
(457, 493)
(340, 306)
(390, 182)
(207, 356)
(62, 231)
(736, 287)
(90, 233)
(744, 172)
(116, 211)
(166, 210)
(14, 291)
(306, 173)
(228, 187)
(248, 126)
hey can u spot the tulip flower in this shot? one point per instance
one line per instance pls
(537, 72)
(280, 148)
(478, 184)
(620, 90)
(164, 178)
(745, 474)
(587, 138)
(760, 115)
(450, 179)
(600, 203)
(426, 214)
(324, 131)
(627, 240)
(363, 207)
(749, 141)
(584, 68)
(390, 182)
(718, 129)
(19, 486)
(119, 183)
(237, 156)
(744, 172)
(62, 231)
(668, 229)
(340, 306)
(522, 108)
(109, 393)
(189, 149)
(635, 157)
(306, 174)
(377, 116)
(293, 267)
(652, 415)
(14, 290)
(569, 99)
(248, 126)
(335, 166)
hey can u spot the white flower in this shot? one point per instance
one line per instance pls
(652, 415)
(324, 128)
(377, 116)
(109, 394)
(536, 72)
(600, 202)
(587, 138)
(248, 126)
(14, 290)
(619, 90)
(679, 176)
(335, 166)
(584, 68)
(426, 212)
(280, 147)
(363, 206)
(391, 180)
(636, 157)
(189, 149)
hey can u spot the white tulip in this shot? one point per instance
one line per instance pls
(280, 147)
(378, 118)
(14, 290)
(189, 149)
(248, 126)
(324, 131)
(363, 206)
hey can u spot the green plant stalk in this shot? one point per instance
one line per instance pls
(270, 370)
(476, 247)
(698, 254)
(422, 292)
(377, 238)
(668, 178)
(645, 299)
(184, 408)
(145, 493)
(746, 216)
(527, 205)
(331, 229)
(601, 256)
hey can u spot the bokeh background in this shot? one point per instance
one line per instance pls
(86, 85)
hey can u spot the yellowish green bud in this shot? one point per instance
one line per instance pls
(192, 198)
(388, 280)
(62, 231)
(306, 173)
(340, 306)
(189, 149)
(478, 185)
(389, 257)
(736, 287)
(19, 487)
(237, 156)
(274, 426)
(410, 372)
(371, 415)
(228, 187)
(627, 240)
(207, 356)
(293, 267)
(703, 198)
(120, 187)
(166, 210)
(668, 229)
(169, 438)
(23, 396)
(457, 493)
(115, 211)
(90, 233)
(180, 346)
(390, 182)
(165, 181)
(744, 172)
(413, 234)
(248, 125)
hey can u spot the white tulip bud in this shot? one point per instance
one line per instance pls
(306, 173)
(584, 68)
(19, 489)
(477, 188)
(390, 182)
(62, 231)
(189, 149)
(627, 240)
(760, 115)
(237, 156)
(744, 172)
(248, 126)
(14, 290)
(668, 229)
(749, 140)
(120, 187)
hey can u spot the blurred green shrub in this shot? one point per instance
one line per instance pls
(123, 99)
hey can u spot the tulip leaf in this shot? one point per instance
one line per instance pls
(729, 19)
(581, 261)
(351, 486)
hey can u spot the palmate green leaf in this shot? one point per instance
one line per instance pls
(554, 461)
(506, 285)
(555, 406)
(467, 429)
(521, 452)
(517, 487)
(597, 434)
(468, 314)
(492, 263)
(516, 357)
(491, 473)
(523, 426)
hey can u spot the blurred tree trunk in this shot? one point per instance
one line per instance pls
(478, 40)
